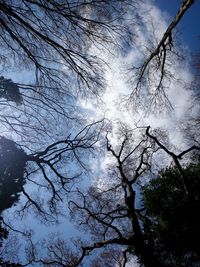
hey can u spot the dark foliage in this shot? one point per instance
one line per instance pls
(12, 168)
(9, 90)
(174, 214)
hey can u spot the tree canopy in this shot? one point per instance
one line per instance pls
(131, 190)
(174, 216)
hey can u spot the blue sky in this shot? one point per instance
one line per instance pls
(190, 23)
(117, 84)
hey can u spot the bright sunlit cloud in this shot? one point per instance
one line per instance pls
(149, 31)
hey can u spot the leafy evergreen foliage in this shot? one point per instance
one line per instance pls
(9, 90)
(175, 218)
(12, 167)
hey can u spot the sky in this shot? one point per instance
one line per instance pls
(189, 25)
(159, 17)
(160, 14)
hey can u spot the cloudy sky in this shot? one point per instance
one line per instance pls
(158, 14)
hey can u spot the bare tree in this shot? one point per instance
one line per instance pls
(114, 216)
(53, 38)
(153, 75)
(56, 169)
(43, 180)
(52, 42)
(35, 117)
(190, 127)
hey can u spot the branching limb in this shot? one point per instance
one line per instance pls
(176, 157)
(157, 62)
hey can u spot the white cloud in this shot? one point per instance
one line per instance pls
(149, 31)
(117, 86)
(154, 20)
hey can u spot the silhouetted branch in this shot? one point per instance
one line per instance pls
(157, 62)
